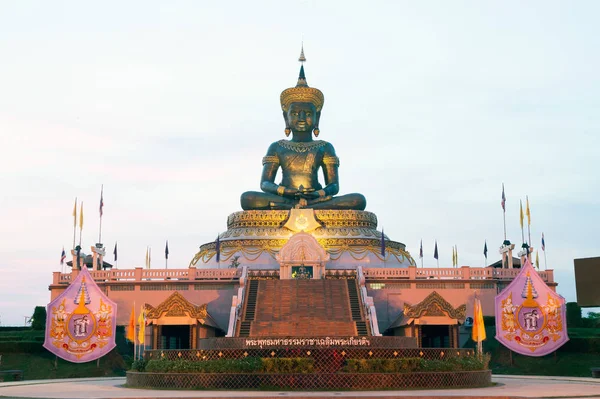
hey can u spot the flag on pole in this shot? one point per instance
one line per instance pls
(218, 249)
(485, 250)
(528, 212)
(75, 213)
(115, 251)
(382, 244)
(478, 332)
(142, 325)
(167, 250)
(456, 255)
(435, 251)
(521, 215)
(421, 250)
(537, 260)
(543, 243)
(147, 257)
(453, 257)
(63, 256)
(81, 216)
(101, 200)
(131, 326)
(503, 199)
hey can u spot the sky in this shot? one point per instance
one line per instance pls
(431, 106)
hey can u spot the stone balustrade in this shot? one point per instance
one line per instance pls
(189, 274)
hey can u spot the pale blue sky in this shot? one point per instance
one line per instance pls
(171, 105)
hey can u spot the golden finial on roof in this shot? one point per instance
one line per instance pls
(302, 58)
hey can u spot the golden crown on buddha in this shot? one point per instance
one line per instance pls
(302, 93)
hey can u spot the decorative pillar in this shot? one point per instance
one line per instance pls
(98, 253)
(506, 253)
(525, 252)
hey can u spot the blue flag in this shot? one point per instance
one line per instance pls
(485, 249)
(382, 244)
(167, 250)
(115, 252)
(218, 249)
(435, 251)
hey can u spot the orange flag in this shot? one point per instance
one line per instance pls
(131, 327)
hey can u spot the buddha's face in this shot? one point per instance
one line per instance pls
(302, 117)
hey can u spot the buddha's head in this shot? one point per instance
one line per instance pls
(301, 107)
(301, 117)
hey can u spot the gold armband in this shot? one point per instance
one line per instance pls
(322, 193)
(331, 160)
(270, 159)
(280, 190)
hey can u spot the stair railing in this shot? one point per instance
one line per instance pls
(237, 302)
(367, 302)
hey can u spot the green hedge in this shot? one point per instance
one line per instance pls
(21, 347)
(409, 365)
(306, 365)
(247, 365)
(582, 345)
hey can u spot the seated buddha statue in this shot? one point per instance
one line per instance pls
(300, 160)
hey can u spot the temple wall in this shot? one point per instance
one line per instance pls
(389, 302)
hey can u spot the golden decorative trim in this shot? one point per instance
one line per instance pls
(270, 159)
(257, 219)
(331, 160)
(280, 190)
(252, 249)
(301, 146)
(176, 305)
(302, 94)
(435, 305)
(346, 218)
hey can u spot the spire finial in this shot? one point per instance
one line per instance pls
(302, 77)
(302, 58)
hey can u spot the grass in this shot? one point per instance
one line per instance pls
(42, 366)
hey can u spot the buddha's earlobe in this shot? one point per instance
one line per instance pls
(316, 130)
(287, 125)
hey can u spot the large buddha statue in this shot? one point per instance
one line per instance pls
(300, 160)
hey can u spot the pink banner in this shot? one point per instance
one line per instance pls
(81, 322)
(530, 317)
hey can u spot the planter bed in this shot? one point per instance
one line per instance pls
(338, 381)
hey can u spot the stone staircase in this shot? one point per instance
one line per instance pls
(302, 308)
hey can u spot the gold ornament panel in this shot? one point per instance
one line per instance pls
(435, 305)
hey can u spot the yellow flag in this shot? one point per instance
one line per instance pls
(131, 326)
(522, 217)
(528, 212)
(478, 332)
(75, 213)
(81, 216)
(147, 259)
(537, 260)
(456, 255)
(142, 324)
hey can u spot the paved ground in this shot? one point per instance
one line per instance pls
(507, 386)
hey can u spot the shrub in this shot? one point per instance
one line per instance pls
(573, 314)
(21, 347)
(297, 365)
(408, 365)
(139, 365)
(38, 320)
(247, 365)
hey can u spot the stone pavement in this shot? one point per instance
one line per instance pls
(506, 387)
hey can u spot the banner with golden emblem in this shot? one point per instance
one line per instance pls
(530, 317)
(81, 322)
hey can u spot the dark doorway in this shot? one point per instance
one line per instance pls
(435, 337)
(175, 337)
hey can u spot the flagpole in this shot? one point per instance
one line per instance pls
(504, 210)
(80, 222)
(528, 221)
(545, 262)
(101, 206)
(74, 222)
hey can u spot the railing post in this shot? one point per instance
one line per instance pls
(137, 274)
(465, 272)
(412, 272)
